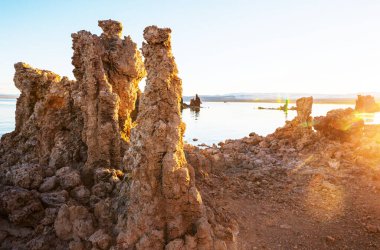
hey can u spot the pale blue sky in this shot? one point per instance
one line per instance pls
(317, 46)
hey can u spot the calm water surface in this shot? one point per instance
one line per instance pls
(219, 121)
(7, 115)
(216, 121)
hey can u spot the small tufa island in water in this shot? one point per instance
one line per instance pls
(96, 164)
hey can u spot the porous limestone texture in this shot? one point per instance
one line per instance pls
(165, 207)
(108, 70)
(60, 167)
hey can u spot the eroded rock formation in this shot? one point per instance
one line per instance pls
(108, 70)
(340, 124)
(47, 138)
(304, 107)
(58, 169)
(48, 127)
(366, 104)
(195, 102)
(61, 169)
(63, 184)
(298, 131)
(166, 209)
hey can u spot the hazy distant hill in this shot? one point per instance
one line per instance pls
(280, 97)
(8, 96)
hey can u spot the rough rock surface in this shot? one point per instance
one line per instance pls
(323, 195)
(304, 107)
(366, 104)
(340, 124)
(65, 187)
(74, 222)
(48, 126)
(165, 207)
(22, 206)
(303, 121)
(68, 143)
(281, 186)
(108, 70)
(298, 132)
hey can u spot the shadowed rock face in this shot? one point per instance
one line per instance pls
(166, 208)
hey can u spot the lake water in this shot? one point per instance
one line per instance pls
(216, 121)
(7, 115)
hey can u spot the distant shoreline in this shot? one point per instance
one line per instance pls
(316, 101)
(8, 96)
(282, 97)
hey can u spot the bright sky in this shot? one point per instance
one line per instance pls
(319, 46)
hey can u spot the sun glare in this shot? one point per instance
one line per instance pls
(324, 200)
(369, 118)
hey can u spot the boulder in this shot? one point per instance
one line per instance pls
(100, 239)
(27, 176)
(21, 206)
(68, 178)
(62, 224)
(74, 222)
(340, 124)
(54, 199)
(48, 184)
(81, 194)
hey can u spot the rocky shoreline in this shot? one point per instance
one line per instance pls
(85, 170)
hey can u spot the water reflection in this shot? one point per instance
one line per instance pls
(286, 108)
(370, 118)
(195, 112)
(7, 114)
(286, 114)
(220, 121)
